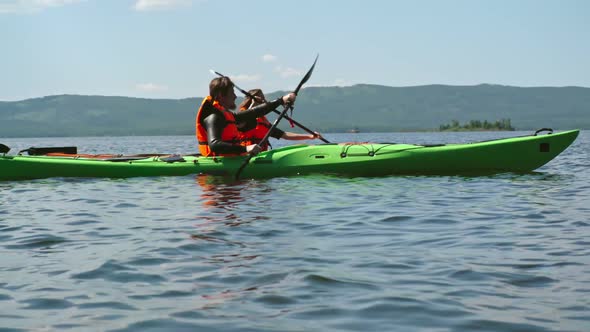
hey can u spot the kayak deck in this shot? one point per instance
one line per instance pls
(516, 154)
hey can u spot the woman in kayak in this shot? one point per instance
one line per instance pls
(253, 131)
(216, 128)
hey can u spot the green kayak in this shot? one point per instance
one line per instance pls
(516, 154)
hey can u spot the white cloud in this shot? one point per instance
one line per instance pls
(9, 8)
(269, 58)
(284, 72)
(245, 78)
(287, 71)
(28, 6)
(150, 87)
(342, 82)
(53, 3)
(147, 5)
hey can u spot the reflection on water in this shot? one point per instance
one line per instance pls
(221, 196)
(219, 192)
(218, 197)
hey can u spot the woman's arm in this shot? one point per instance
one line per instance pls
(214, 124)
(258, 111)
(264, 109)
(299, 137)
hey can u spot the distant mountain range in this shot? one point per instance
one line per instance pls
(326, 109)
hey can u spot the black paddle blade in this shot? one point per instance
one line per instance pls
(40, 151)
(4, 148)
(307, 76)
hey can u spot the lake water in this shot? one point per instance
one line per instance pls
(507, 252)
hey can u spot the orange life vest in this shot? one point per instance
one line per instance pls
(229, 134)
(255, 135)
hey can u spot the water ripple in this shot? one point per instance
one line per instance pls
(41, 241)
(119, 273)
(47, 303)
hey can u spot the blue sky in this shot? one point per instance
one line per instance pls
(165, 48)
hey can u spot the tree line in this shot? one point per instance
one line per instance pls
(502, 124)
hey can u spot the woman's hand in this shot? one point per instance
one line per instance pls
(253, 149)
(289, 99)
(315, 135)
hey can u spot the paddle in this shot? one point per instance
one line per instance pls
(40, 151)
(247, 94)
(282, 115)
(4, 149)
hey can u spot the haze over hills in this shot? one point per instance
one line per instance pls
(326, 109)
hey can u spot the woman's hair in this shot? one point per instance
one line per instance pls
(220, 85)
(247, 103)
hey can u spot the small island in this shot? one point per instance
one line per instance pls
(477, 125)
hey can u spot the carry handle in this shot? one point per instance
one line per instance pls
(544, 129)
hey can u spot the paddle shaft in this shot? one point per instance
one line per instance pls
(264, 139)
(276, 123)
(289, 106)
(302, 126)
(247, 94)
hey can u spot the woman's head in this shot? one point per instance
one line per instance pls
(249, 102)
(222, 90)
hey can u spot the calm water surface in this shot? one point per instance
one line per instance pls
(507, 252)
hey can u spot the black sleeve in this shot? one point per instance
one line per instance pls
(276, 133)
(258, 111)
(247, 125)
(214, 124)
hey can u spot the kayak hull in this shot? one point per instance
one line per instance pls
(518, 154)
